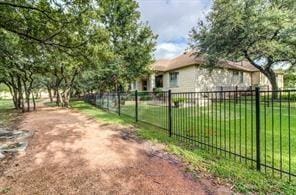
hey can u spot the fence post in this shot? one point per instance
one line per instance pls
(95, 102)
(136, 102)
(258, 149)
(236, 94)
(221, 94)
(108, 101)
(170, 112)
(118, 96)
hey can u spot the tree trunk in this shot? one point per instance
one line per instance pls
(28, 101)
(55, 93)
(34, 103)
(20, 95)
(50, 94)
(58, 97)
(66, 98)
(13, 94)
(270, 74)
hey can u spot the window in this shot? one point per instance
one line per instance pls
(159, 81)
(174, 79)
(235, 73)
(134, 85)
(238, 74)
(241, 77)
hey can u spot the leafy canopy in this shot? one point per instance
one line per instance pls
(261, 31)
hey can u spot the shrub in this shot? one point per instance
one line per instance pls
(177, 101)
(146, 98)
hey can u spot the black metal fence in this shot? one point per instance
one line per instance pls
(256, 127)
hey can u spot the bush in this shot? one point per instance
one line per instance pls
(286, 96)
(145, 98)
(177, 101)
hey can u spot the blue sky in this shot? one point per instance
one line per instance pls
(172, 20)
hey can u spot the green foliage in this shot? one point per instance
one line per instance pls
(131, 42)
(262, 32)
(71, 47)
(290, 79)
(145, 98)
(7, 114)
(3, 88)
(179, 100)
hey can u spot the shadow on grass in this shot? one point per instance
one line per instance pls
(101, 114)
(9, 117)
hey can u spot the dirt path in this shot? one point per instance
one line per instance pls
(73, 154)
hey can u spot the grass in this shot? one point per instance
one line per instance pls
(232, 127)
(242, 177)
(7, 114)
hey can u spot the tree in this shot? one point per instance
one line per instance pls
(58, 39)
(43, 22)
(70, 47)
(260, 31)
(131, 42)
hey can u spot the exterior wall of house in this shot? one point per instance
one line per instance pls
(256, 78)
(151, 82)
(260, 79)
(280, 81)
(263, 80)
(186, 80)
(207, 80)
(138, 84)
(196, 79)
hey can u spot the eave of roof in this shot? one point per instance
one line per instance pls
(188, 59)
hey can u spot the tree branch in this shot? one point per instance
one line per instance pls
(25, 35)
(252, 61)
(44, 12)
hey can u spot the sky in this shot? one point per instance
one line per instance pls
(172, 20)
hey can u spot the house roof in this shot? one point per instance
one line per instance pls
(188, 59)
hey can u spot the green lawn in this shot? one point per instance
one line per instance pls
(242, 177)
(231, 126)
(7, 113)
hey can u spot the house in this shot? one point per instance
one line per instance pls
(186, 73)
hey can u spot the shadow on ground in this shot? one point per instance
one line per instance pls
(71, 153)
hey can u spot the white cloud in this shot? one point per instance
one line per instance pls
(172, 20)
(169, 50)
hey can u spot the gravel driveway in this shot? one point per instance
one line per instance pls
(71, 153)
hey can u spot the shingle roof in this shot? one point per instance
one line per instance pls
(188, 59)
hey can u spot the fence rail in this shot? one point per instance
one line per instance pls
(256, 127)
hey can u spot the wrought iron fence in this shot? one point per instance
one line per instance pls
(256, 127)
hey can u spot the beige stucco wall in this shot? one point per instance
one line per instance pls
(137, 85)
(186, 80)
(151, 82)
(196, 79)
(256, 78)
(263, 81)
(207, 80)
(280, 80)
